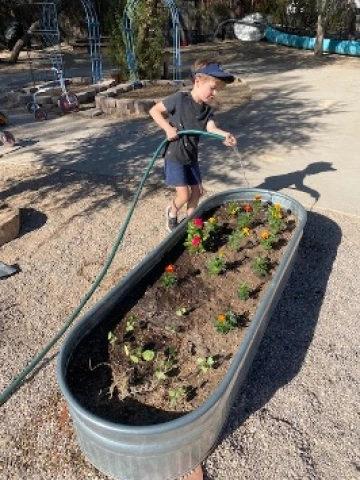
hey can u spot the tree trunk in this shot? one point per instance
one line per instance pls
(19, 45)
(320, 33)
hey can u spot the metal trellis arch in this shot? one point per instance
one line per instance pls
(128, 20)
(94, 40)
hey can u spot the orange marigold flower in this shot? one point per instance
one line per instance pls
(170, 269)
(265, 235)
(248, 208)
(257, 197)
(221, 318)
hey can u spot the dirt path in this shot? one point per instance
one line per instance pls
(296, 416)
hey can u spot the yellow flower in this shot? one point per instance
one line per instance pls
(257, 197)
(233, 211)
(265, 235)
(212, 220)
(221, 253)
(278, 215)
(246, 231)
(221, 318)
(277, 206)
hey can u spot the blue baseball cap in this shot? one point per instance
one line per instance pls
(215, 70)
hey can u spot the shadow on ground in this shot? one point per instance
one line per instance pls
(290, 332)
(117, 153)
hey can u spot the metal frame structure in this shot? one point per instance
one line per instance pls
(94, 40)
(48, 34)
(128, 35)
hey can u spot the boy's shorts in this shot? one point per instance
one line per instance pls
(180, 175)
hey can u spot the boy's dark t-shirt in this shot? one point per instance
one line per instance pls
(186, 114)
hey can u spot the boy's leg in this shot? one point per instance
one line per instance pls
(181, 198)
(195, 194)
(196, 188)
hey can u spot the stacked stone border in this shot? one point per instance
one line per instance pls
(48, 99)
(125, 108)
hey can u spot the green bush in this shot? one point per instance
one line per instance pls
(149, 41)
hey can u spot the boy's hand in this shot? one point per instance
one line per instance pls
(230, 140)
(171, 133)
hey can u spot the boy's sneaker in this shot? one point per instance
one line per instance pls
(171, 222)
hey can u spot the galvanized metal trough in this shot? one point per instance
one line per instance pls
(169, 450)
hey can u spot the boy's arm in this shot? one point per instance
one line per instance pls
(229, 141)
(157, 113)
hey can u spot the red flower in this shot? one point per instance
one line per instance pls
(198, 222)
(170, 269)
(195, 242)
(248, 208)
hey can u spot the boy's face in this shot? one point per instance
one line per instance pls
(207, 88)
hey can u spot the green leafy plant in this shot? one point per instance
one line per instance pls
(261, 266)
(256, 203)
(245, 219)
(148, 23)
(169, 278)
(182, 311)
(112, 338)
(198, 232)
(195, 236)
(232, 208)
(275, 218)
(175, 395)
(267, 239)
(235, 237)
(244, 292)
(163, 366)
(226, 322)
(130, 323)
(205, 364)
(216, 265)
(138, 354)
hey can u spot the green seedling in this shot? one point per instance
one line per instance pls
(227, 322)
(235, 237)
(205, 364)
(168, 280)
(261, 266)
(245, 219)
(244, 292)
(257, 203)
(139, 354)
(112, 338)
(181, 312)
(175, 395)
(130, 323)
(216, 265)
(163, 367)
(232, 208)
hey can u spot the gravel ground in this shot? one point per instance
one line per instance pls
(296, 416)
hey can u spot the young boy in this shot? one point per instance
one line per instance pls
(189, 111)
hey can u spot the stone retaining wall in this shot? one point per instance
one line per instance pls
(111, 103)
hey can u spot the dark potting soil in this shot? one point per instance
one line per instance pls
(160, 354)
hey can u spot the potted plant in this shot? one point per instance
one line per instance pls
(146, 373)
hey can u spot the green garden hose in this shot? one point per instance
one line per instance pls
(5, 395)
